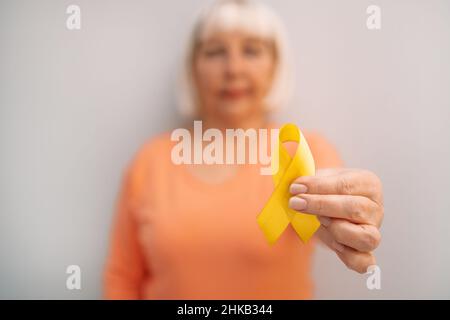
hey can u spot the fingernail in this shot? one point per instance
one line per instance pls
(337, 246)
(325, 221)
(297, 203)
(297, 188)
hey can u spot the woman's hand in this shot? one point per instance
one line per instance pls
(349, 206)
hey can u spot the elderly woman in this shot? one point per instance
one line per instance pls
(190, 231)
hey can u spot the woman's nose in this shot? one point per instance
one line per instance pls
(234, 65)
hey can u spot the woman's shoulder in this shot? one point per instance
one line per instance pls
(154, 150)
(312, 136)
(155, 145)
(324, 151)
(150, 158)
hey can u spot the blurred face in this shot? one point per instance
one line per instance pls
(233, 73)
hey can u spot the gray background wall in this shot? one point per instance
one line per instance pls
(75, 105)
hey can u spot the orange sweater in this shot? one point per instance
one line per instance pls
(176, 237)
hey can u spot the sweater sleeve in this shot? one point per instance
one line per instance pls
(125, 268)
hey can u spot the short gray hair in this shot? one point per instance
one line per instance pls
(250, 16)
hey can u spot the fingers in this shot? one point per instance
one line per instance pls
(353, 259)
(349, 205)
(343, 182)
(357, 209)
(363, 238)
(328, 240)
(357, 261)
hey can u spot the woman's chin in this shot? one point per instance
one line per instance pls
(234, 112)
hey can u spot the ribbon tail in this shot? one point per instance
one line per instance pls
(273, 220)
(305, 225)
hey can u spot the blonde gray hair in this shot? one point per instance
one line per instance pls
(250, 16)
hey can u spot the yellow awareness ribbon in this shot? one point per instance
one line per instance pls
(276, 214)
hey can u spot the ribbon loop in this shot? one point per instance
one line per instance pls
(276, 214)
